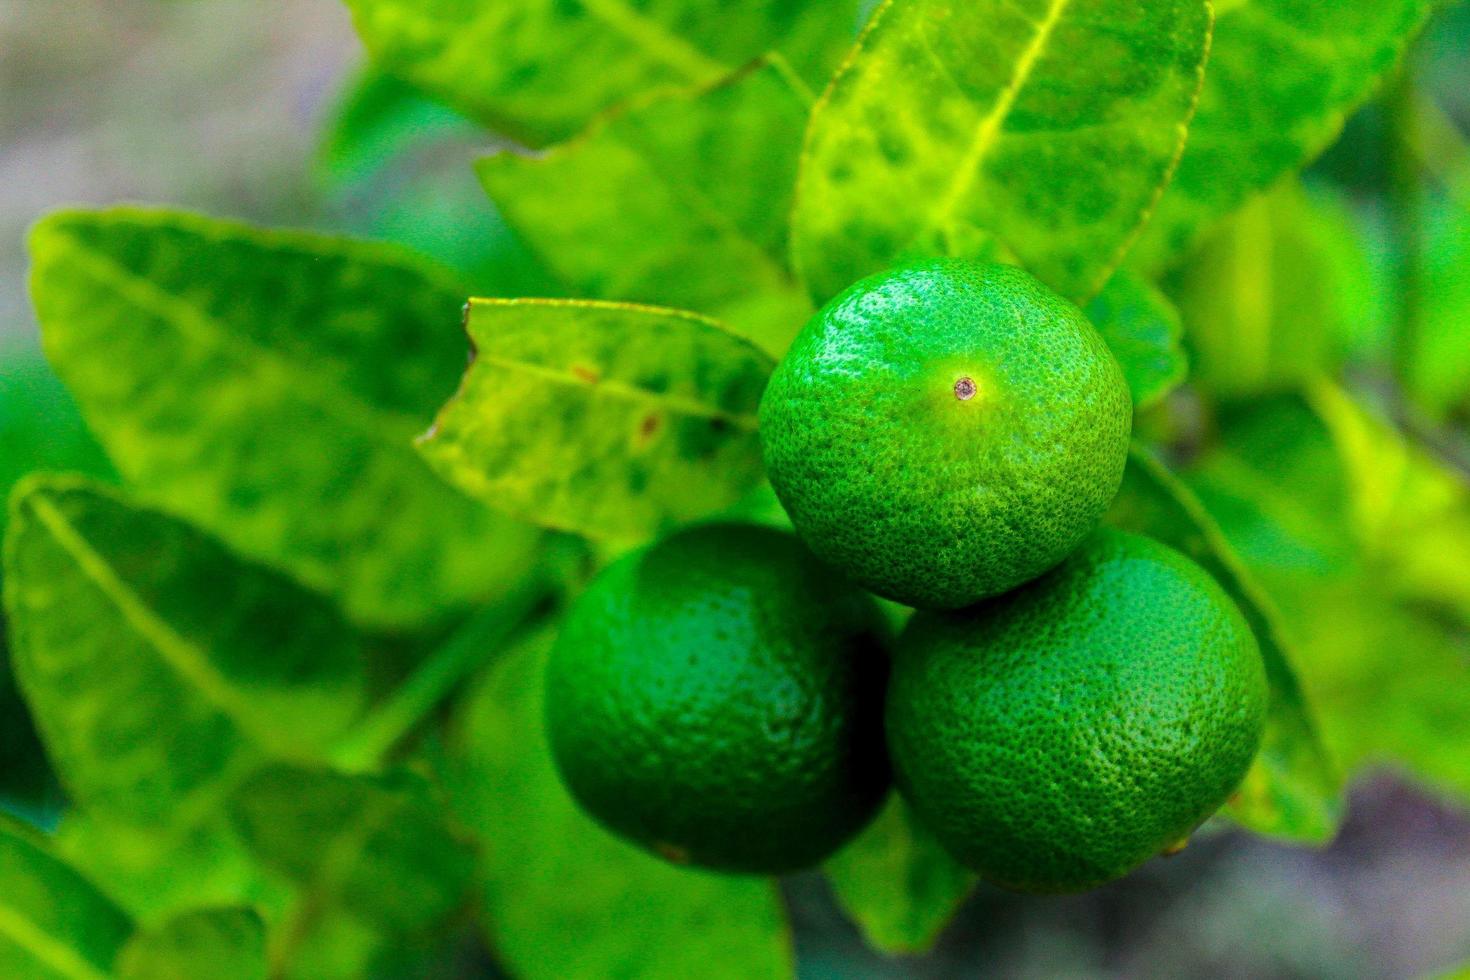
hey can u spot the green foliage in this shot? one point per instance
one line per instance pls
(603, 418)
(159, 666)
(681, 200)
(375, 846)
(1047, 128)
(537, 70)
(1293, 789)
(1439, 364)
(563, 899)
(1283, 75)
(322, 360)
(222, 944)
(1273, 295)
(897, 882)
(1360, 536)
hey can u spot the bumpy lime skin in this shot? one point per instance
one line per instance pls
(718, 699)
(1059, 736)
(927, 489)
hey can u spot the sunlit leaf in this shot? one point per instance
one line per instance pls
(1048, 125)
(268, 386)
(159, 666)
(1439, 365)
(681, 200)
(602, 418)
(538, 70)
(54, 925)
(563, 899)
(1293, 789)
(1143, 331)
(375, 845)
(221, 944)
(1270, 297)
(898, 883)
(1283, 75)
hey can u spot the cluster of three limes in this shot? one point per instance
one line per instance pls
(1067, 702)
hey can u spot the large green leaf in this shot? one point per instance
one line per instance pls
(602, 418)
(1283, 76)
(40, 429)
(161, 668)
(1143, 331)
(1271, 295)
(681, 200)
(1293, 789)
(1050, 125)
(1439, 365)
(374, 845)
(268, 386)
(563, 899)
(54, 925)
(1360, 537)
(537, 70)
(898, 883)
(221, 944)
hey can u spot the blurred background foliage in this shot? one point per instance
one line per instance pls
(1353, 510)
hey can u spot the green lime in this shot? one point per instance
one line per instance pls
(946, 430)
(718, 699)
(1058, 736)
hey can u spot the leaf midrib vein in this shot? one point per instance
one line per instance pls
(654, 40)
(620, 389)
(987, 133)
(186, 660)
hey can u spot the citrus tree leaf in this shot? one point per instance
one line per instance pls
(1143, 331)
(159, 666)
(1356, 533)
(54, 925)
(552, 874)
(1293, 789)
(1050, 125)
(374, 845)
(40, 429)
(1438, 375)
(379, 117)
(602, 418)
(222, 944)
(537, 70)
(1270, 297)
(682, 200)
(268, 386)
(898, 883)
(1283, 77)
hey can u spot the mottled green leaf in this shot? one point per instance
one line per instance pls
(54, 925)
(40, 429)
(1360, 538)
(537, 70)
(221, 944)
(1293, 789)
(268, 386)
(1439, 366)
(563, 899)
(375, 845)
(682, 201)
(1050, 125)
(898, 883)
(161, 668)
(1283, 75)
(1143, 330)
(1270, 297)
(602, 418)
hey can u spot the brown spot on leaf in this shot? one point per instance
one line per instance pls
(672, 852)
(1176, 847)
(649, 427)
(588, 374)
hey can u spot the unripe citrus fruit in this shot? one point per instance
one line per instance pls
(946, 430)
(717, 698)
(1058, 736)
